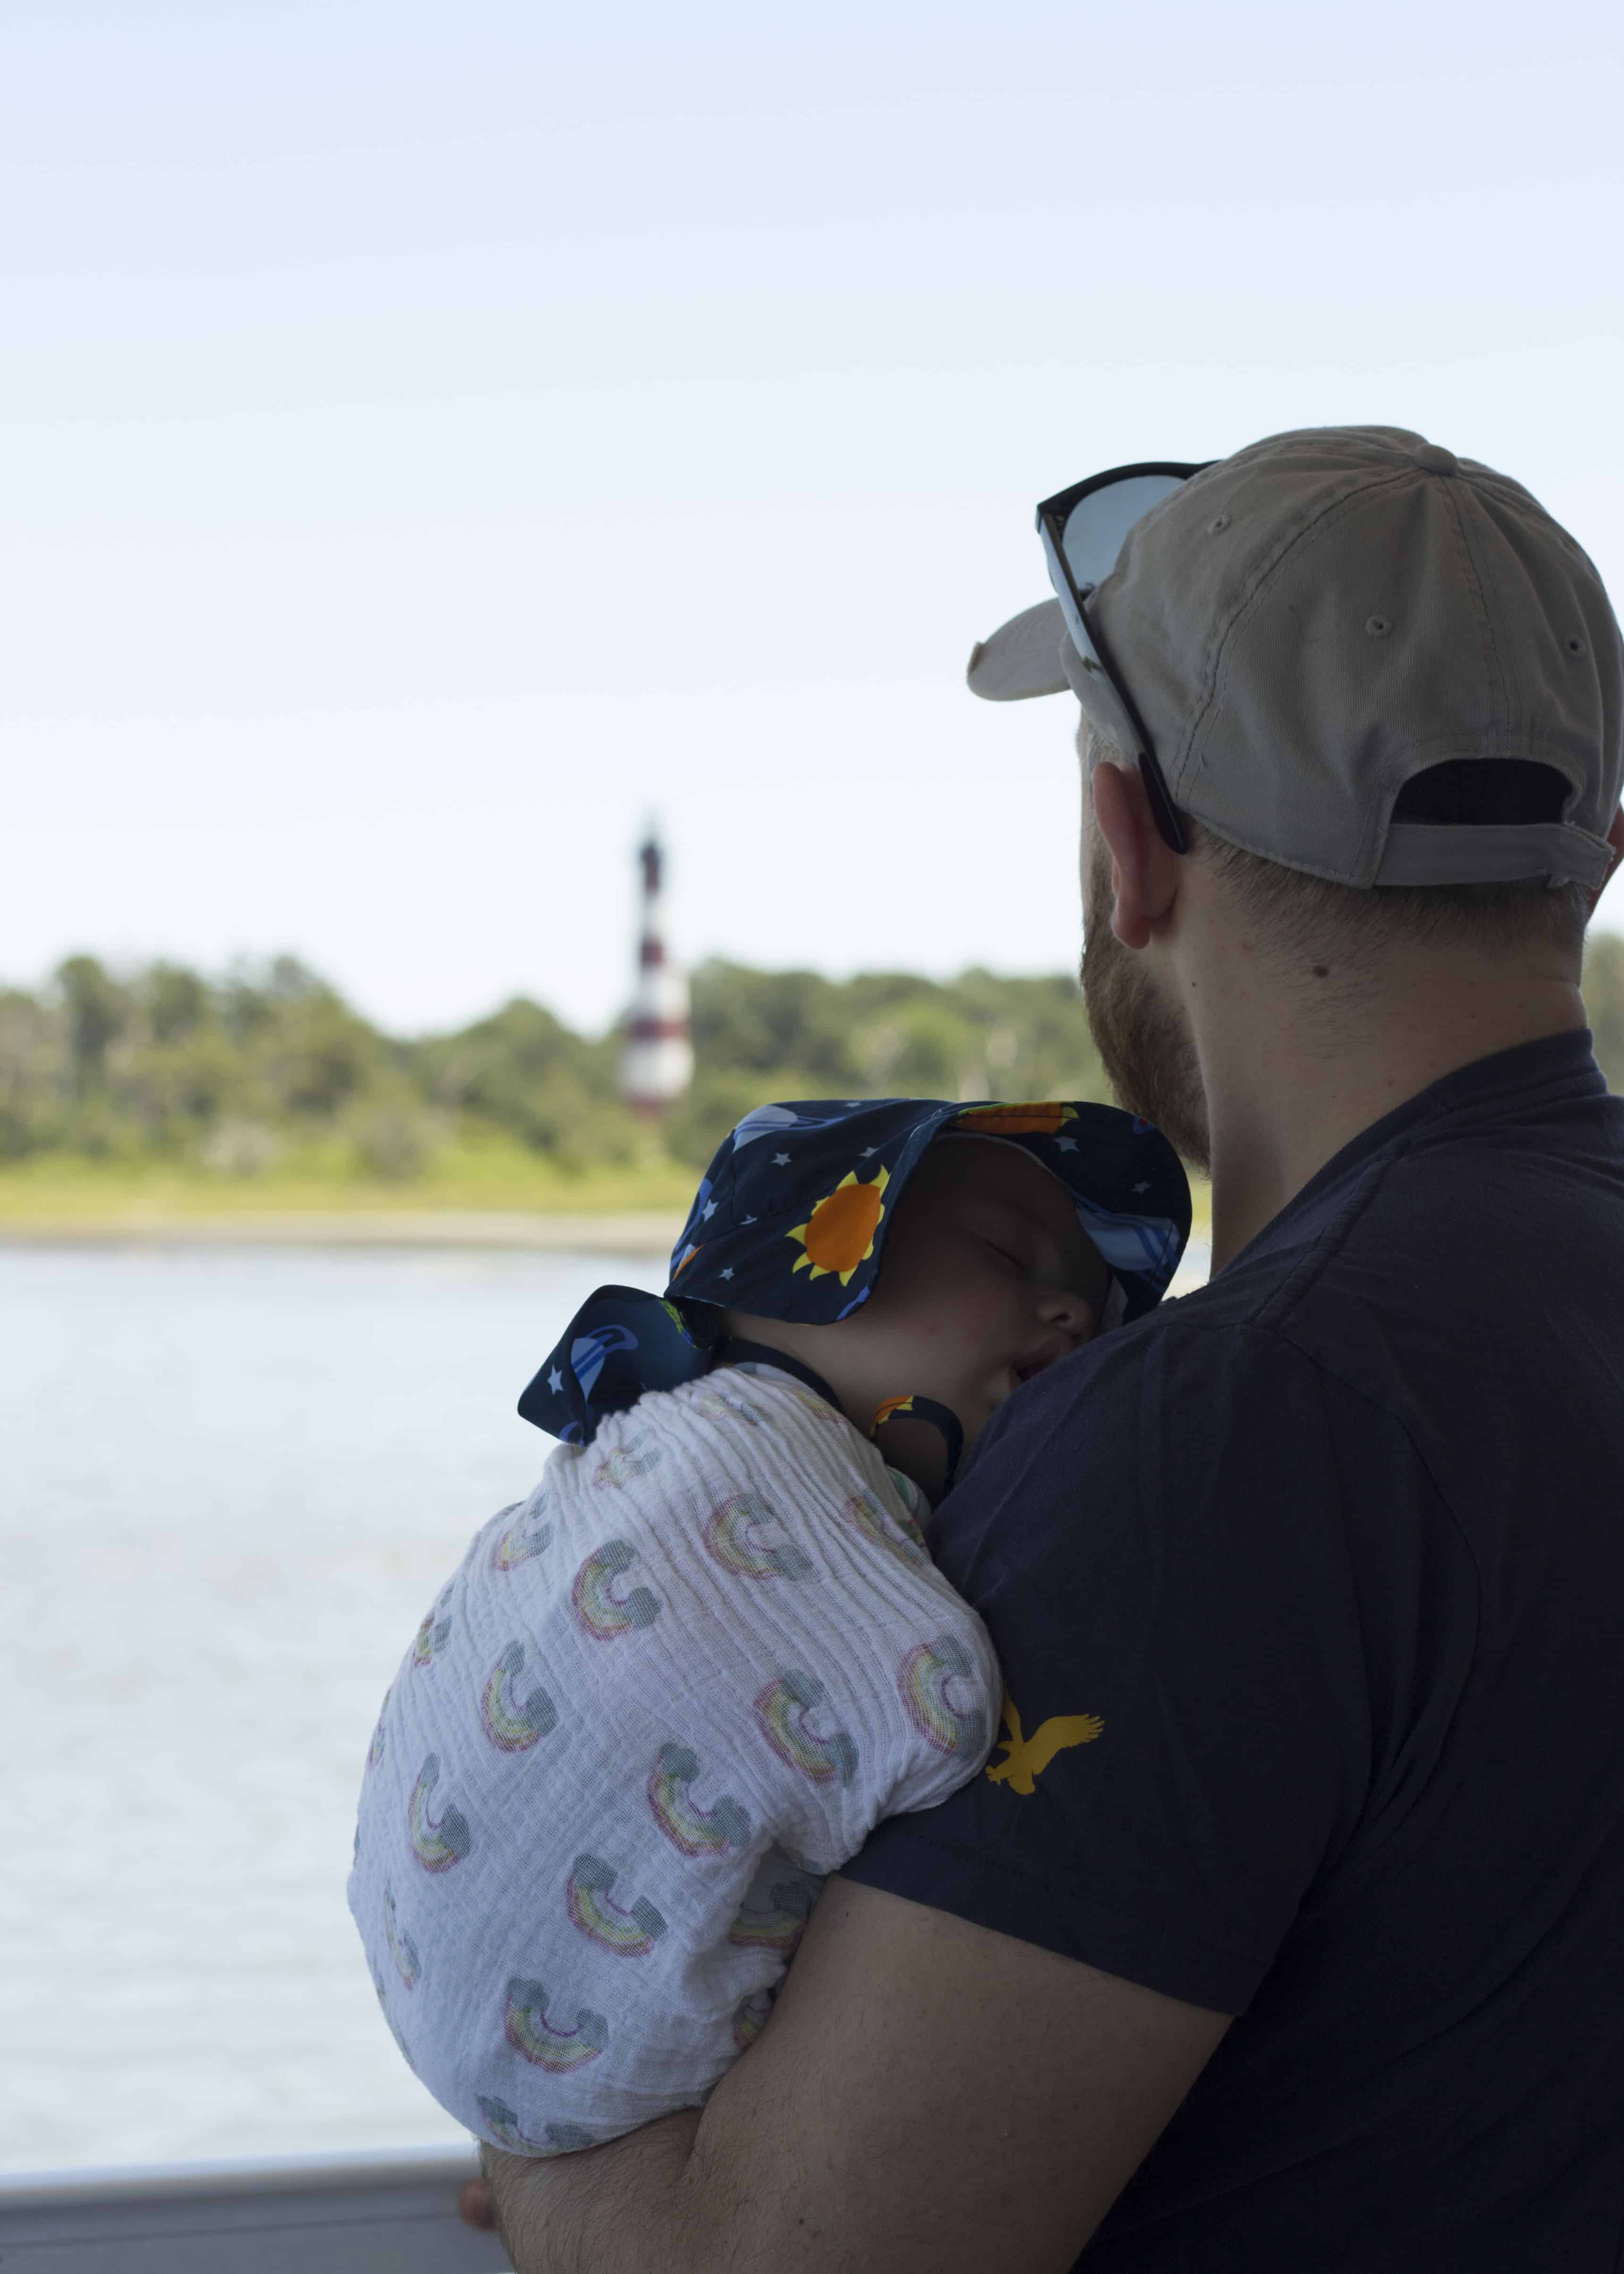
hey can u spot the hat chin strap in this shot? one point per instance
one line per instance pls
(734, 1350)
(930, 1412)
(896, 1412)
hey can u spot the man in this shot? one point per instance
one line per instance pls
(1284, 1931)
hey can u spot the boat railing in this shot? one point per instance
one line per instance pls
(336, 2214)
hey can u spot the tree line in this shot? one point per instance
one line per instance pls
(234, 1075)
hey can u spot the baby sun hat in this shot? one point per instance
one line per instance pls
(790, 1222)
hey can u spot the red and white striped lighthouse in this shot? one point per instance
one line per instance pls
(658, 1061)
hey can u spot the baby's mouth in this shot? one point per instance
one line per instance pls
(1009, 1380)
(1035, 1358)
(1040, 1356)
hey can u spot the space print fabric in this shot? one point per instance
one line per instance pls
(790, 1223)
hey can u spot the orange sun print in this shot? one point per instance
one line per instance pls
(839, 1235)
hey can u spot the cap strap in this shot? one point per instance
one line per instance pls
(1493, 853)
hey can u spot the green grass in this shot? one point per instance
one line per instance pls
(1200, 1208)
(491, 1173)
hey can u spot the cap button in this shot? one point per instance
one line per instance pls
(1432, 459)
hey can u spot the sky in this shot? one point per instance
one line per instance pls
(436, 440)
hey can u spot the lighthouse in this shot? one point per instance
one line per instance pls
(658, 1060)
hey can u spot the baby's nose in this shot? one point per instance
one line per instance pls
(1064, 1307)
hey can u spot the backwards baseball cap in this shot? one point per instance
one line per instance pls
(1286, 637)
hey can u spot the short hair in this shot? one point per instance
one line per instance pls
(1309, 913)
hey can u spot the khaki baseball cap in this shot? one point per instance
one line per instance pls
(1306, 625)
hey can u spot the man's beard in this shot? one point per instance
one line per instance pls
(1143, 1044)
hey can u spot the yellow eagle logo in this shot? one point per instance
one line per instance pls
(1025, 1759)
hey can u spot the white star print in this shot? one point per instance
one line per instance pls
(749, 1219)
(1066, 1144)
(867, 1153)
(709, 1210)
(727, 1274)
(555, 1381)
(1141, 1189)
(780, 1160)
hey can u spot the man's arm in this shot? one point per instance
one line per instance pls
(928, 2095)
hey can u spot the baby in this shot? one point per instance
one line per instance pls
(666, 1695)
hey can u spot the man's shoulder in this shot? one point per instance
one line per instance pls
(1279, 1365)
(1193, 1406)
(1268, 1318)
(1453, 1209)
(1356, 1317)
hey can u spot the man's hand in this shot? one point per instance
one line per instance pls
(475, 2207)
(928, 2097)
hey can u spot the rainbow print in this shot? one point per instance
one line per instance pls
(503, 2125)
(374, 1750)
(695, 1831)
(402, 1949)
(437, 1841)
(529, 1534)
(735, 1535)
(750, 2017)
(900, 1534)
(432, 1633)
(597, 1609)
(782, 1709)
(532, 2032)
(924, 1680)
(635, 1459)
(565, 2139)
(514, 1724)
(629, 1933)
(716, 1404)
(818, 1408)
(774, 1918)
(395, 2026)
(556, 2139)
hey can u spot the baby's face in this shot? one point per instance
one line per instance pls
(988, 1278)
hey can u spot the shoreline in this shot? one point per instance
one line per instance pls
(635, 1232)
(631, 1231)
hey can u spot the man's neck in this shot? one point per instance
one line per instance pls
(1291, 1078)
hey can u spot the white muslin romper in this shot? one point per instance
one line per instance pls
(656, 1703)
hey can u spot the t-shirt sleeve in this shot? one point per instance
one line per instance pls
(1155, 1536)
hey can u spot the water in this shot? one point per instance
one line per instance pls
(230, 1484)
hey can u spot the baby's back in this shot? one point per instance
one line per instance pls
(655, 1704)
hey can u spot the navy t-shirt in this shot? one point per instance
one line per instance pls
(1309, 1592)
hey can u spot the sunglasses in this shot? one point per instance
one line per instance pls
(1083, 530)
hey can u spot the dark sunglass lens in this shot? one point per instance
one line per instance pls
(1097, 524)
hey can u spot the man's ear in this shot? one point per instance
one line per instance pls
(1144, 869)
